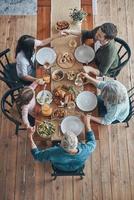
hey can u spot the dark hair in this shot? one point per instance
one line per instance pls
(26, 44)
(110, 30)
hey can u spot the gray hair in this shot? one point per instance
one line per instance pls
(113, 93)
(69, 141)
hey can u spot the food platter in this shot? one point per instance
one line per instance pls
(46, 55)
(58, 75)
(44, 96)
(46, 129)
(86, 101)
(72, 124)
(61, 25)
(84, 54)
(59, 113)
(65, 60)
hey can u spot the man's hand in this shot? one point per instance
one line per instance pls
(65, 32)
(90, 69)
(86, 120)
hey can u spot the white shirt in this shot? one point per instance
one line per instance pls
(23, 66)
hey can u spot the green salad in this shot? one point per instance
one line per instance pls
(46, 129)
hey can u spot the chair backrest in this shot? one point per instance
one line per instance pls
(7, 105)
(78, 172)
(124, 54)
(131, 99)
(8, 72)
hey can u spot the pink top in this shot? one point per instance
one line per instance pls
(29, 109)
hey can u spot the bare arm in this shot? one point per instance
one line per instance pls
(48, 40)
(90, 69)
(96, 119)
(91, 79)
(29, 78)
(30, 136)
(71, 32)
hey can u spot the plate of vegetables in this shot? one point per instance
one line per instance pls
(46, 129)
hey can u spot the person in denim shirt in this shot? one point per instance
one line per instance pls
(69, 155)
(113, 102)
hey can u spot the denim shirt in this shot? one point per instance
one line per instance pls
(63, 160)
(115, 112)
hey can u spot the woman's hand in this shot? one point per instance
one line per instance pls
(82, 74)
(31, 131)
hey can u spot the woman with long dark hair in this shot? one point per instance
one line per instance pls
(25, 56)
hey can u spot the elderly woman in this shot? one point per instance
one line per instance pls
(113, 102)
(25, 56)
(70, 155)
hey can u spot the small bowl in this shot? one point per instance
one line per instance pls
(59, 113)
(72, 43)
(57, 75)
(71, 75)
(62, 25)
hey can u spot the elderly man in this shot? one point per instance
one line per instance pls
(70, 155)
(106, 57)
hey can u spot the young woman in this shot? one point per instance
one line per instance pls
(25, 56)
(113, 102)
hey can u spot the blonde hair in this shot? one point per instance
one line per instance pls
(24, 97)
(113, 93)
(69, 141)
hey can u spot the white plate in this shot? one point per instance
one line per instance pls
(84, 54)
(46, 55)
(44, 96)
(86, 101)
(73, 124)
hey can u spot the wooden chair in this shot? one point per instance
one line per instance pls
(131, 100)
(8, 73)
(57, 172)
(124, 54)
(9, 110)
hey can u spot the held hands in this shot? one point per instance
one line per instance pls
(86, 120)
(84, 75)
(31, 131)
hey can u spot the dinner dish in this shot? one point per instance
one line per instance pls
(86, 101)
(63, 94)
(58, 75)
(44, 96)
(72, 124)
(65, 60)
(84, 54)
(46, 129)
(59, 113)
(61, 25)
(46, 55)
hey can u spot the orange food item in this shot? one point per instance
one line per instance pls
(46, 78)
(46, 110)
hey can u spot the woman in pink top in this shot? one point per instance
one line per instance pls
(26, 103)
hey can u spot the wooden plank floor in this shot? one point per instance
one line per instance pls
(110, 169)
